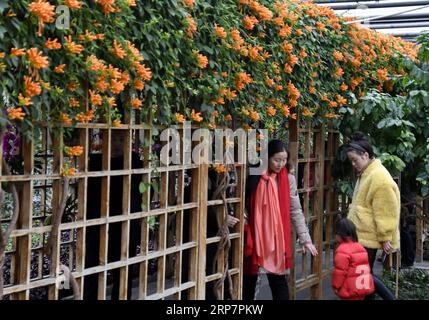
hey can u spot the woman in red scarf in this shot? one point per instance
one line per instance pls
(272, 203)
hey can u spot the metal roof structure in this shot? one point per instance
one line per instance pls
(402, 18)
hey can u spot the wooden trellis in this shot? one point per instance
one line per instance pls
(313, 151)
(169, 260)
(163, 247)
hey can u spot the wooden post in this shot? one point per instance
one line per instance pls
(293, 149)
(23, 258)
(316, 290)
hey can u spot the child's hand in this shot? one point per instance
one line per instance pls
(231, 221)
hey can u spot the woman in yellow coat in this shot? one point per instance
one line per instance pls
(376, 204)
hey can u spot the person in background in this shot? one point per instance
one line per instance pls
(376, 204)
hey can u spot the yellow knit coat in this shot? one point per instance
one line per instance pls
(375, 208)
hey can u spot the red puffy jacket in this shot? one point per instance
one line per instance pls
(352, 278)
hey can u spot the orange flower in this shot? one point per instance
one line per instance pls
(254, 116)
(85, 117)
(111, 101)
(293, 60)
(344, 87)
(271, 111)
(74, 103)
(72, 86)
(88, 36)
(320, 26)
(339, 72)
(125, 77)
(302, 53)
(59, 68)
(288, 69)
(36, 59)
(285, 111)
(299, 32)
(307, 113)
(293, 92)
(73, 4)
(180, 118)
(333, 104)
(65, 119)
(242, 80)
(116, 86)
(107, 6)
(220, 168)
(269, 82)
(95, 98)
(230, 94)
(15, 114)
(202, 61)
(71, 46)
(250, 22)
(67, 171)
(382, 74)
(220, 32)
(338, 56)
(285, 31)
(44, 11)
(312, 90)
(52, 44)
(136, 103)
(331, 115)
(192, 26)
(228, 117)
(118, 50)
(355, 63)
(14, 52)
(101, 84)
(143, 72)
(287, 47)
(189, 3)
(138, 84)
(75, 151)
(341, 100)
(95, 64)
(196, 116)
(293, 103)
(31, 88)
(24, 101)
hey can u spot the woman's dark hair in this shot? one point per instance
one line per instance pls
(360, 145)
(345, 228)
(276, 146)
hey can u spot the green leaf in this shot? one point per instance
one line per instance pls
(142, 187)
(381, 124)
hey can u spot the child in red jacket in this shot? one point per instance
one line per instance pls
(352, 279)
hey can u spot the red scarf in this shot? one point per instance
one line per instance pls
(268, 241)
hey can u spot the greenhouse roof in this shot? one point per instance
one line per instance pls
(406, 19)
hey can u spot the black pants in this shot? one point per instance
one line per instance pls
(278, 285)
(379, 286)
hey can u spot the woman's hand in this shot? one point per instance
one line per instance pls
(387, 246)
(231, 221)
(310, 247)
